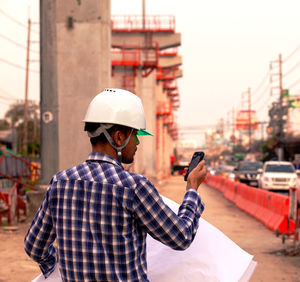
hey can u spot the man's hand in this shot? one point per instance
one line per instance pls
(196, 176)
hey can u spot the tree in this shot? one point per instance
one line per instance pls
(269, 148)
(4, 124)
(15, 115)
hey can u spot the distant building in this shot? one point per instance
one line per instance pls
(290, 125)
(8, 139)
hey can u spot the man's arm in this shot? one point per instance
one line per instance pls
(175, 231)
(39, 238)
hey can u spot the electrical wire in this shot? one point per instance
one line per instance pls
(16, 66)
(15, 21)
(8, 95)
(262, 82)
(294, 84)
(291, 69)
(16, 43)
(291, 54)
(263, 105)
(261, 96)
(9, 98)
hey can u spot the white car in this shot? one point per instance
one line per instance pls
(277, 175)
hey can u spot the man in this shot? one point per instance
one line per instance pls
(99, 213)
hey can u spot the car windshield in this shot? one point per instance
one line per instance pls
(279, 168)
(251, 166)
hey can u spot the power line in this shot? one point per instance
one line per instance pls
(290, 55)
(5, 102)
(8, 95)
(3, 97)
(263, 105)
(262, 82)
(261, 96)
(14, 20)
(292, 69)
(16, 66)
(294, 84)
(16, 43)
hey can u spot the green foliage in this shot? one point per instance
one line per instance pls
(4, 124)
(15, 115)
(269, 148)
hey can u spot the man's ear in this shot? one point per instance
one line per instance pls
(118, 136)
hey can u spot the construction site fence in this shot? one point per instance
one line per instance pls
(270, 208)
(15, 167)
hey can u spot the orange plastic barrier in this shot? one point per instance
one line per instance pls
(230, 190)
(270, 208)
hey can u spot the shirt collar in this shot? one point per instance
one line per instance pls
(94, 156)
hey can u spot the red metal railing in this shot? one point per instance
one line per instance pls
(165, 73)
(13, 204)
(128, 82)
(125, 57)
(163, 108)
(170, 85)
(28, 176)
(170, 52)
(135, 23)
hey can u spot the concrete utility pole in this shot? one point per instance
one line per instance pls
(280, 153)
(48, 91)
(280, 149)
(25, 140)
(75, 44)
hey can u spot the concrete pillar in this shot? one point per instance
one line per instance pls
(75, 66)
(146, 157)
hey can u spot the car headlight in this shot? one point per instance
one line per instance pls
(266, 179)
(293, 181)
(232, 176)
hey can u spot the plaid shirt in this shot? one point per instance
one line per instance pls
(100, 215)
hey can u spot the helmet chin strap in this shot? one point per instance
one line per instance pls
(114, 145)
(103, 129)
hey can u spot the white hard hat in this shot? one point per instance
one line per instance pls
(117, 106)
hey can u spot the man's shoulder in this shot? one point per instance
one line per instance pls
(140, 179)
(75, 173)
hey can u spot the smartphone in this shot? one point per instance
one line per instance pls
(197, 158)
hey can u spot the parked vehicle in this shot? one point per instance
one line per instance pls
(247, 172)
(277, 175)
(223, 170)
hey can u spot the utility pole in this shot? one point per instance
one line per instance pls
(262, 131)
(25, 141)
(144, 14)
(248, 92)
(280, 107)
(280, 147)
(249, 119)
(233, 130)
(233, 123)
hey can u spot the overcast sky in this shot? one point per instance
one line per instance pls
(227, 46)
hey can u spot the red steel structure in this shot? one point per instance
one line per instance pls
(146, 58)
(11, 198)
(137, 23)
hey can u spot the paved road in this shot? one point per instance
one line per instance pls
(248, 233)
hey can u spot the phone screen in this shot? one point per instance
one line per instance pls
(197, 158)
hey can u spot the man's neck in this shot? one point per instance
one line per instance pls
(105, 149)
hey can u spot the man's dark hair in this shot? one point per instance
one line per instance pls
(92, 126)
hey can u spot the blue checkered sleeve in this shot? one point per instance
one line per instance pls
(174, 230)
(39, 239)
